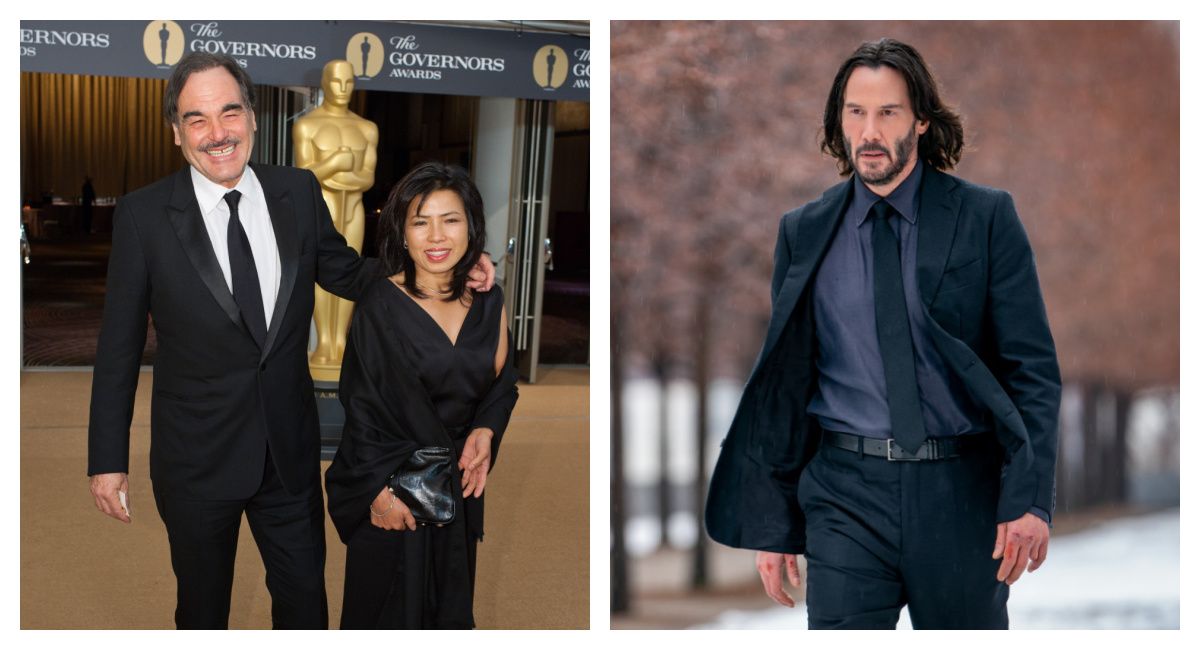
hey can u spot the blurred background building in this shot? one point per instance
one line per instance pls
(507, 100)
(472, 93)
(714, 136)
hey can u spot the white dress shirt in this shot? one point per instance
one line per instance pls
(256, 221)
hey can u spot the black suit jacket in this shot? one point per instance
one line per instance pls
(217, 396)
(979, 287)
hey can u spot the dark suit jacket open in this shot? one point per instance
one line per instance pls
(217, 396)
(979, 286)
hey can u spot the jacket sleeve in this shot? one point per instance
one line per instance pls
(783, 260)
(119, 349)
(340, 269)
(1026, 364)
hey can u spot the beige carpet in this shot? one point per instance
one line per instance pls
(82, 570)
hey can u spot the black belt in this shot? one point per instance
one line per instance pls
(931, 449)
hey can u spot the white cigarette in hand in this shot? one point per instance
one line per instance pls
(124, 501)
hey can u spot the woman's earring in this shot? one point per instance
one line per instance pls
(406, 245)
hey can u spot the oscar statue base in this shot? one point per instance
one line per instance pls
(329, 373)
(330, 415)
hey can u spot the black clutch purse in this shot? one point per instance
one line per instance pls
(424, 484)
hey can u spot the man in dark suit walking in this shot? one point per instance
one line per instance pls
(899, 427)
(224, 256)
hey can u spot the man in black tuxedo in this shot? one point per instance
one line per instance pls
(224, 256)
(899, 427)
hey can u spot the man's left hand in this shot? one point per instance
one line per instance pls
(482, 275)
(1021, 542)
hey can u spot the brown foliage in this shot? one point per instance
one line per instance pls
(714, 136)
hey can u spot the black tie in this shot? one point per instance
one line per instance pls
(895, 337)
(246, 291)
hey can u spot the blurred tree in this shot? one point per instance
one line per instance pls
(714, 131)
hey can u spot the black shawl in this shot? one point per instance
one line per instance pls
(389, 414)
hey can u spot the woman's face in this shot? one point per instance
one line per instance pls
(437, 234)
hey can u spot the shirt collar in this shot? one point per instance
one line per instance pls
(903, 199)
(210, 195)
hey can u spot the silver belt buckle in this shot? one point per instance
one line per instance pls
(901, 458)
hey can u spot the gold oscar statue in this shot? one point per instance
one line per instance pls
(339, 147)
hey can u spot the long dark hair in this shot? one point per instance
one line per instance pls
(416, 186)
(941, 146)
(199, 62)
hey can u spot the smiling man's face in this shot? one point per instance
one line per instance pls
(215, 130)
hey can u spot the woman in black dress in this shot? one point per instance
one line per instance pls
(426, 365)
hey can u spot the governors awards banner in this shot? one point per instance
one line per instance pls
(398, 57)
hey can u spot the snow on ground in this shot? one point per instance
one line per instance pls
(1123, 574)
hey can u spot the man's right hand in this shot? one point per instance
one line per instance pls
(105, 488)
(769, 566)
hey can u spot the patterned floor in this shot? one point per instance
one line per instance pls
(63, 302)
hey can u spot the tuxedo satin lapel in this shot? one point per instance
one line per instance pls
(185, 217)
(937, 222)
(813, 232)
(283, 221)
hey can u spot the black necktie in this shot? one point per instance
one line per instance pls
(246, 291)
(895, 337)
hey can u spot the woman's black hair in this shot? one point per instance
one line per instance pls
(417, 185)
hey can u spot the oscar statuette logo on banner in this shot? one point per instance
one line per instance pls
(550, 67)
(365, 53)
(163, 43)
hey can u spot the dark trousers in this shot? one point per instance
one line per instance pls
(290, 533)
(884, 534)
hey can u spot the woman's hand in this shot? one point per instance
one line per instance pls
(390, 513)
(476, 461)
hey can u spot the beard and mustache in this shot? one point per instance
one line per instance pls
(899, 159)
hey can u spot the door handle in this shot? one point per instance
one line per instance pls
(548, 256)
(26, 251)
(512, 248)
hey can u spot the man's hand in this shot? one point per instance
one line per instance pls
(104, 490)
(482, 275)
(1021, 542)
(389, 512)
(769, 565)
(475, 462)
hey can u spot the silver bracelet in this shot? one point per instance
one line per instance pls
(380, 514)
